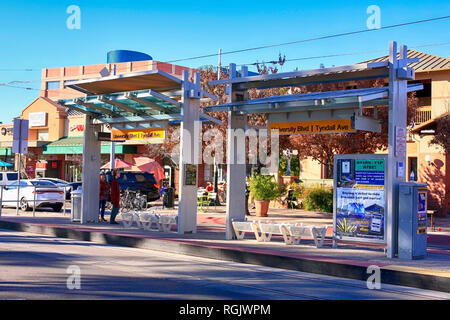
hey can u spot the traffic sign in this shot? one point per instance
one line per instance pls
(20, 136)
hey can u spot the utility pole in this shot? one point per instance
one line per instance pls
(20, 146)
(219, 69)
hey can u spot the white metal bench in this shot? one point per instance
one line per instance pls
(149, 220)
(241, 227)
(128, 218)
(293, 234)
(269, 229)
(165, 222)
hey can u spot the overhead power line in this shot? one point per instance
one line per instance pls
(311, 39)
(279, 44)
(341, 54)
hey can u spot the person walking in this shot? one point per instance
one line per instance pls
(104, 191)
(115, 196)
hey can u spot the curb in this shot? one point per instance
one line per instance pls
(342, 270)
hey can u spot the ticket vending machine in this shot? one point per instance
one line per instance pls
(412, 220)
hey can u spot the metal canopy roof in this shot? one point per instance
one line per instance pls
(346, 99)
(156, 80)
(323, 75)
(138, 97)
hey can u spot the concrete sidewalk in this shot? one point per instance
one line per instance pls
(349, 260)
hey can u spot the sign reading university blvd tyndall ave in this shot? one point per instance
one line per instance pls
(316, 126)
(135, 134)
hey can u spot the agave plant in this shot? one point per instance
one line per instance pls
(345, 226)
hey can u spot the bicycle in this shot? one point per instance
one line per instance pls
(133, 200)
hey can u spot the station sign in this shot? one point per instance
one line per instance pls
(138, 134)
(316, 126)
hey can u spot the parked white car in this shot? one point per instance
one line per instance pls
(7, 177)
(46, 194)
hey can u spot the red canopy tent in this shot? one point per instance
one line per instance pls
(118, 164)
(150, 165)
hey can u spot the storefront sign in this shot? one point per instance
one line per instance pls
(135, 134)
(76, 128)
(30, 170)
(72, 158)
(41, 165)
(360, 198)
(317, 126)
(37, 119)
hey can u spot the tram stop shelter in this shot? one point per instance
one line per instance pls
(154, 99)
(134, 101)
(343, 108)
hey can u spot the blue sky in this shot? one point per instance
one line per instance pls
(34, 34)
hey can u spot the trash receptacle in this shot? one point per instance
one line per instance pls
(75, 212)
(168, 197)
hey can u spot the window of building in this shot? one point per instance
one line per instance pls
(426, 91)
(53, 85)
(412, 161)
(43, 135)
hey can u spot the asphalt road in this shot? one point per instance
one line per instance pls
(34, 266)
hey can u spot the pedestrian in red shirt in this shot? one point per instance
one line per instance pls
(209, 187)
(115, 196)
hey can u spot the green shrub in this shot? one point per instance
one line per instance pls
(318, 199)
(297, 187)
(263, 187)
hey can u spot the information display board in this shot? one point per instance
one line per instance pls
(190, 175)
(360, 198)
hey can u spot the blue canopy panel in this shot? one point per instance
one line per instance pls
(141, 103)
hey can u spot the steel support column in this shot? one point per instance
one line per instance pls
(91, 169)
(396, 154)
(236, 159)
(190, 153)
